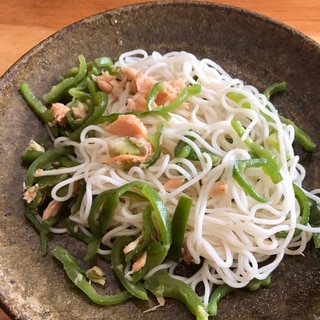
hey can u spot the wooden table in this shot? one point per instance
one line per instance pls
(25, 23)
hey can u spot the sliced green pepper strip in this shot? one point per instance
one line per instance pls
(299, 135)
(59, 90)
(163, 285)
(256, 284)
(35, 104)
(93, 247)
(79, 94)
(62, 88)
(268, 168)
(161, 214)
(314, 220)
(155, 140)
(49, 181)
(30, 155)
(156, 253)
(219, 293)
(80, 194)
(102, 210)
(101, 103)
(77, 233)
(274, 88)
(77, 276)
(44, 231)
(184, 150)
(30, 214)
(118, 264)
(71, 73)
(105, 204)
(65, 162)
(237, 97)
(89, 103)
(146, 234)
(163, 111)
(103, 62)
(44, 159)
(92, 87)
(224, 289)
(214, 158)
(42, 226)
(179, 225)
(304, 210)
(155, 90)
(258, 149)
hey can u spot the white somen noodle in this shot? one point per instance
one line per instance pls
(234, 235)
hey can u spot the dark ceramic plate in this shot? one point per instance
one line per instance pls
(247, 45)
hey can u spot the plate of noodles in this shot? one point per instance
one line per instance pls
(155, 164)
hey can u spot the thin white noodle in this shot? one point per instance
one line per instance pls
(58, 230)
(233, 233)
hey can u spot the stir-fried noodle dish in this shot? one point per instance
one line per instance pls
(158, 160)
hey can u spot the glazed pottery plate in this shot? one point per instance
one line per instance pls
(258, 50)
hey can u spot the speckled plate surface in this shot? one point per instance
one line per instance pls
(257, 49)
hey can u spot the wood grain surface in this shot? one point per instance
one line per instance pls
(23, 24)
